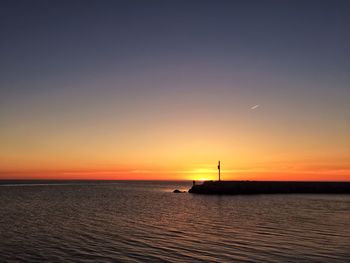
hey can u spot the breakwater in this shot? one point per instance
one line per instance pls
(269, 187)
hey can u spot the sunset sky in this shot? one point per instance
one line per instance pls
(164, 89)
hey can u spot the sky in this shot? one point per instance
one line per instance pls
(164, 89)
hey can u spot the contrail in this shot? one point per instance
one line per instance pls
(254, 107)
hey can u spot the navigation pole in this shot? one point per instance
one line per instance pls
(219, 170)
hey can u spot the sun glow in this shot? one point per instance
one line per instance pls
(203, 174)
(203, 179)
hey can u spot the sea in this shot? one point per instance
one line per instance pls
(144, 221)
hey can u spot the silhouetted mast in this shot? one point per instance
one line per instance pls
(219, 170)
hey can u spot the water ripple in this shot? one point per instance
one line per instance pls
(145, 222)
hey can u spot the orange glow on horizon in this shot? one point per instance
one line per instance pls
(195, 174)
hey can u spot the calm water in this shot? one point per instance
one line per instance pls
(145, 222)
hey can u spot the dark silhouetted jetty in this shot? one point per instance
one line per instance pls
(269, 187)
